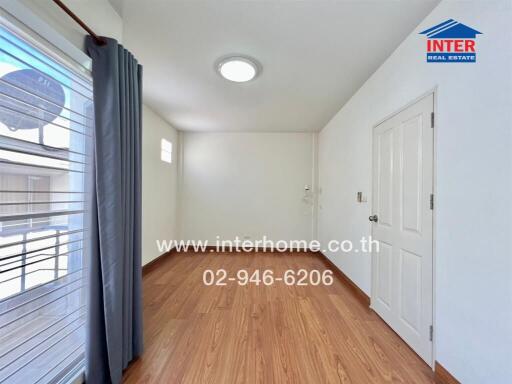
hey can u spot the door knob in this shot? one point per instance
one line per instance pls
(374, 218)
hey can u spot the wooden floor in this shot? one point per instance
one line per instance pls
(263, 334)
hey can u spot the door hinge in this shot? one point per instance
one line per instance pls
(432, 201)
(432, 119)
(431, 330)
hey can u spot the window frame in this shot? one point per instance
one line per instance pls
(16, 18)
(166, 150)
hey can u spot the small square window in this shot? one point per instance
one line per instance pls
(166, 151)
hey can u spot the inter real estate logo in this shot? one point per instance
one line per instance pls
(451, 42)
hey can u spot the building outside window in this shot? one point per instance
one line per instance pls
(46, 127)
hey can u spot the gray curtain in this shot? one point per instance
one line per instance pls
(114, 333)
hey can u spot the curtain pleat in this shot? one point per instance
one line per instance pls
(115, 308)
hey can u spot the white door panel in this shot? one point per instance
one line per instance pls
(385, 176)
(402, 185)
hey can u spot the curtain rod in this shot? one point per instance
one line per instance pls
(98, 39)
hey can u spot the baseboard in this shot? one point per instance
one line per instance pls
(358, 292)
(442, 376)
(155, 263)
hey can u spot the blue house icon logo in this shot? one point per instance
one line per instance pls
(451, 42)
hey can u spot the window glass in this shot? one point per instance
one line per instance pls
(46, 126)
(166, 151)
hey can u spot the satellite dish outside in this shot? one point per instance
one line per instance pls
(44, 99)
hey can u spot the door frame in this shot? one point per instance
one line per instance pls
(433, 91)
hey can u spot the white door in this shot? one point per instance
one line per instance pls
(402, 188)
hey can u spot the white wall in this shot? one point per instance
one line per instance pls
(246, 184)
(474, 184)
(159, 185)
(97, 14)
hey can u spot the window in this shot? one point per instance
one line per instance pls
(46, 124)
(166, 151)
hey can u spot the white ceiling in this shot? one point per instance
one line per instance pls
(315, 55)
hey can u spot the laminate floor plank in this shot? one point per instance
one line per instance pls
(198, 334)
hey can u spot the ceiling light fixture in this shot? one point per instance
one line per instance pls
(239, 69)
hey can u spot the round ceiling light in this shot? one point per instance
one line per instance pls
(239, 69)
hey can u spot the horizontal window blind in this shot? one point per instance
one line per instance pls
(46, 128)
